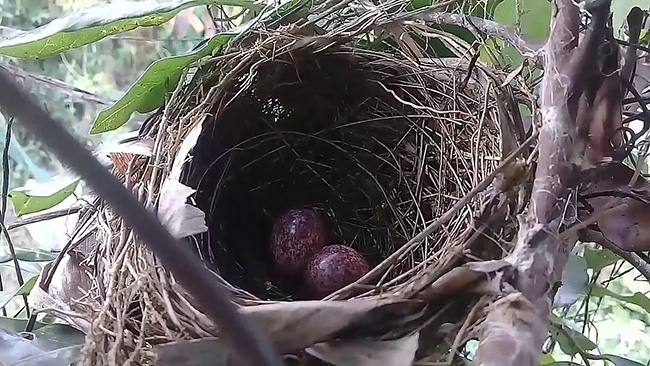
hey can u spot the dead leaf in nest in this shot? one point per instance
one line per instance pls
(606, 187)
(70, 282)
(400, 352)
(183, 152)
(196, 352)
(179, 217)
(292, 326)
(122, 153)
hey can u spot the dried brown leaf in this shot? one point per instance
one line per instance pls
(629, 228)
(196, 352)
(400, 352)
(296, 325)
(70, 283)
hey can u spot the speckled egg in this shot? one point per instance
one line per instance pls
(333, 268)
(297, 235)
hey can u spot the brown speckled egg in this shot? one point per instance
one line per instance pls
(297, 235)
(333, 268)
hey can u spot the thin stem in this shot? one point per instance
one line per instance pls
(3, 208)
(44, 217)
(5, 171)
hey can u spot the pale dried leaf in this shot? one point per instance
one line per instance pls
(399, 352)
(184, 150)
(139, 146)
(629, 227)
(70, 282)
(487, 266)
(179, 217)
(119, 155)
(296, 325)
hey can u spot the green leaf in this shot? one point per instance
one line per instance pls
(48, 345)
(571, 341)
(599, 259)
(532, 17)
(162, 76)
(637, 298)
(14, 325)
(546, 359)
(27, 255)
(148, 92)
(194, 352)
(91, 25)
(644, 38)
(418, 4)
(25, 289)
(27, 202)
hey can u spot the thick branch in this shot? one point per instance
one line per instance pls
(516, 325)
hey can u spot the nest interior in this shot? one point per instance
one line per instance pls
(381, 146)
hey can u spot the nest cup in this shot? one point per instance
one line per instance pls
(379, 146)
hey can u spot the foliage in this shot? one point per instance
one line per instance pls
(25, 289)
(26, 201)
(27, 255)
(149, 91)
(79, 29)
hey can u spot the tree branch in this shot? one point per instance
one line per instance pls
(175, 255)
(633, 258)
(517, 324)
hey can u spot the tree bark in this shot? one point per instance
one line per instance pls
(517, 324)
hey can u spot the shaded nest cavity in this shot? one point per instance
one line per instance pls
(381, 146)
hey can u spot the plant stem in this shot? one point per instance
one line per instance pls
(3, 213)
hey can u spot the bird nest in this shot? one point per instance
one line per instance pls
(382, 144)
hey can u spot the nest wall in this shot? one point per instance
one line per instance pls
(381, 143)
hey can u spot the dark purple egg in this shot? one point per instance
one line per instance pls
(333, 268)
(297, 235)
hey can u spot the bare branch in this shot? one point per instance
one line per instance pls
(44, 217)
